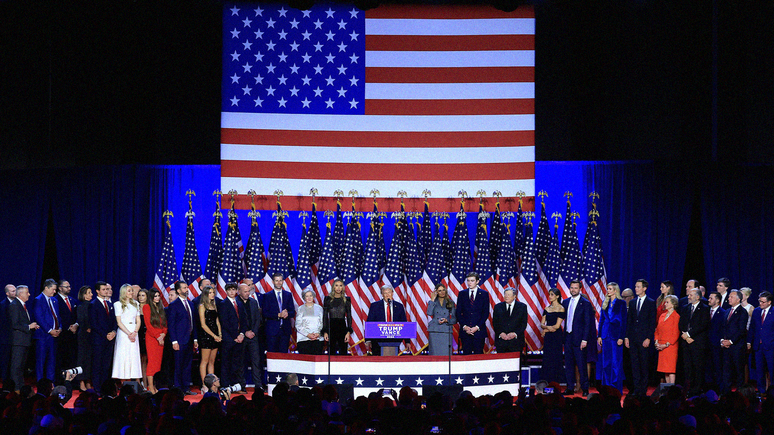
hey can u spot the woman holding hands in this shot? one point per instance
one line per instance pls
(441, 315)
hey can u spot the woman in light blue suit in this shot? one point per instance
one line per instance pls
(441, 319)
(612, 329)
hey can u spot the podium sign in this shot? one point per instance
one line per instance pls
(390, 330)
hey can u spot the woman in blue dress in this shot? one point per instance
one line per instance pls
(553, 339)
(612, 328)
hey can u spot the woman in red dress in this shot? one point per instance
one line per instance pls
(156, 322)
(666, 337)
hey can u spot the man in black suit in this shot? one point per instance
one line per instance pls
(509, 321)
(734, 342)
(5, 331)
(760, 339)
(722, 287)
(102, 319)
(472, 314)
(67, 344)
(713, 378)
(21, 334)
(640, 327)
(694, 325)
(233, 321)
(253, 321)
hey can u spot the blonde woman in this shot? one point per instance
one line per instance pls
(665, 338)
(126, 357)
(612, 329)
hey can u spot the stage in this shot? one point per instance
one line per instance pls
(479, 374)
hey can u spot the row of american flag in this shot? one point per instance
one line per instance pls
(421, 255)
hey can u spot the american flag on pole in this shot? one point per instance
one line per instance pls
(528, 290)
(484, 270)
(412, 97)
(166, 273)
(374, 260)
(351, 264)
(303, 280)
(542, 246)
(495, 231)
(594, 275)
(338, 238)
(518, 238)
(553, 265)
(326, 273)
(191, 271)
(418, 288)
(232, 269)
(215, 253)
(572, 258)
(425, 235)
(314, 246)
(280, 257)
(255, 254)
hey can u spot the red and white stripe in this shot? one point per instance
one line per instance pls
(449, 105)
(528, 296)
(495, 297)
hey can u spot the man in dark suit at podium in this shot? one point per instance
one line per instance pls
(472, 314)
(385, 310)
(509, 321)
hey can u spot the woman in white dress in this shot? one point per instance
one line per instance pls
(126, 357)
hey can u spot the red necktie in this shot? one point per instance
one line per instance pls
(53, 314)
(67, 301)
(730, 313)
(389, 313)
(236, 309)
(107, 310)
(25, 310)
(763, 317)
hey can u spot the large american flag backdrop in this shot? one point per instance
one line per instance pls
(395, 98)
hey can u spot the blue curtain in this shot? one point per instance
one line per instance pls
(23, 224)
(737, 206)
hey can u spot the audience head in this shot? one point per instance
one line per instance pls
(291, 379)
(44, 387)
(723, 285)
(627, 294)
(85, 294)
(540, 386)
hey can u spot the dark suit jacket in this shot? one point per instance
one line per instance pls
(42, 315)
(613, 326)
(271, 310)
(256, 315)
(230, 324)
(67, 317)
(180, 326)
(515, 322)
(101, 322)
(735, 328)
(716, 327)
(376, 312)
(726, 305)
(5, 321)
(642, 325)
(761, 335)
(473, 313)
(698, 325)
(581, 322)
(21, 334)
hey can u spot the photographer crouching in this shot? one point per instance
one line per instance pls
(212, 388)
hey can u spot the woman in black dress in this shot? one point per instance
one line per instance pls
(210, 333)
(337, 319)
(84, 344)
(553, 339)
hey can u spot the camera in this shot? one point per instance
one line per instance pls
(73, 371)
(230, 389)
(548, 390)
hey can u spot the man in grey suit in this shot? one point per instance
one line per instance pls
(21, 334)
(252, 347)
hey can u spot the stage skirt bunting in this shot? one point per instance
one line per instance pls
(479, 374)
